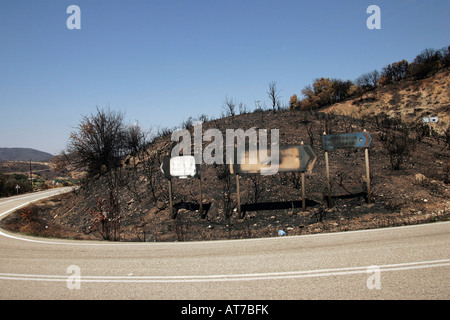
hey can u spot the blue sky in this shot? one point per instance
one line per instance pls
(161, 61)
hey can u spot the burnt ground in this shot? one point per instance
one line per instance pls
(419, 192)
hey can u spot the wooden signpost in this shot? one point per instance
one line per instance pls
(292, 158)
(347, 140)
(181, 168)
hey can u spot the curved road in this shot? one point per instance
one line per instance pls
(393, 263)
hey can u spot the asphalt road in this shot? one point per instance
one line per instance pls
(393, 263)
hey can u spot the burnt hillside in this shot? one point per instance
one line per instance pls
(416, 191)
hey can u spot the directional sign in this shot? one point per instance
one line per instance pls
(346, 140)
(180, 167)
(291, 159)
(307, 158)
(430, 119)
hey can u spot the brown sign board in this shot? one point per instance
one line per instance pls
(292, 158)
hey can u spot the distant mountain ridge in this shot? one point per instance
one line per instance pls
(23, 154)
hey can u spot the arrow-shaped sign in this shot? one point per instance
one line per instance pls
(291, 159)
(307, 158)
(346, 140)
(180, 167)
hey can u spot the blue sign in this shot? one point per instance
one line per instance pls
(346, 140)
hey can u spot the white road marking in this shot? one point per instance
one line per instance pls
(99, 243)
(17, 198)
(27, 203)
(268, 276)
(230, 277)
(106, 243)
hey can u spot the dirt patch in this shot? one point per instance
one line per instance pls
(39, 219)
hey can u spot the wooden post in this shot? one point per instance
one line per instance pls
(303, 192)
(303, 189)
(201, 198)
(238, 195)
(31, 178)
(366, 155)
(328, 176)
(170, 198)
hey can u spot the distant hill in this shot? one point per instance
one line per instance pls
(23, 154)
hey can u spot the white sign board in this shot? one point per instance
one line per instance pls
(430, 119)
(183, 167)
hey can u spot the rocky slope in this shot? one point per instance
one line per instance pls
(410, 100)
